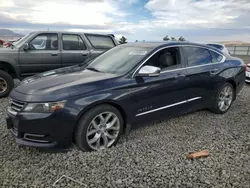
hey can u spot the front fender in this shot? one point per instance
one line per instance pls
(11, 58)
(80, 106)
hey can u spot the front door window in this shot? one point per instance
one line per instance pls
(45, 42)
(166, 59)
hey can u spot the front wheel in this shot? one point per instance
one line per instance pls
(99, 128)
(224, 99)
(6, 84)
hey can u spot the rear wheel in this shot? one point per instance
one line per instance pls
(224, 99)
(99, 128)
(6, 84)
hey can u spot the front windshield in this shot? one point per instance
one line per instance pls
(119, 60)
(20, 42)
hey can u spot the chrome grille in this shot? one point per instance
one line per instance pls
(17, 106)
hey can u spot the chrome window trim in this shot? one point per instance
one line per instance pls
(168, 106)
(165, 47)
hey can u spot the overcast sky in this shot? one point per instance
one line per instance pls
(150, 20)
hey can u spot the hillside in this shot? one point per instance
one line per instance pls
(235, 43)
(8, 33)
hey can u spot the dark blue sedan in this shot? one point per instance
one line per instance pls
(92, 105)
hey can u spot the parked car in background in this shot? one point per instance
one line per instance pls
(1, 42)
(248, 73)
(42, 51)
(221, 47)
(7, 44)
(131, 83)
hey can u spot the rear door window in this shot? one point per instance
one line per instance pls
(100, 41)
(216, 58)
(197, 56)
(73, 42)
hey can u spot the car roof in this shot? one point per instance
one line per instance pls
(69, 32)
(167, 43)
(219, 44)
(157, 45)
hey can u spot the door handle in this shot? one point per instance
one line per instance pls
(83, 54)
(214, 71)
(54, 54)
(179, 76)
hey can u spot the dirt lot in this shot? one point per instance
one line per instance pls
(152, 155)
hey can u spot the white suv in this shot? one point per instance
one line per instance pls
(248, 73)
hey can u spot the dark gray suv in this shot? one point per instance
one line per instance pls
(42, 51)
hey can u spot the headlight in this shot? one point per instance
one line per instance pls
(44, 107)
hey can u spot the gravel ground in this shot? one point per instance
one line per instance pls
(151, 156)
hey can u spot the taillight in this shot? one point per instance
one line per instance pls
(245, 67)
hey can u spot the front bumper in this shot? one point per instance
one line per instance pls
(41, 130)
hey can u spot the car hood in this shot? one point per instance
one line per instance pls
(63, 82)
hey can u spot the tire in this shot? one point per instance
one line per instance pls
(6, 84)
(91, 122)
(215, 105)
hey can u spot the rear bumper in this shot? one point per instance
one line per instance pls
(248, 78)
(240, 81)
(41, 130)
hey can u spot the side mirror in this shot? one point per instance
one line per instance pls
(26, 47)
(149, 71)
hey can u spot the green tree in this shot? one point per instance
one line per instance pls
(166, 38)
(181, 39)
(173, 38)
(123, 40)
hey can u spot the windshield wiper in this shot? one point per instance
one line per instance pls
(93, 69)
(89, 61)
(85, 63)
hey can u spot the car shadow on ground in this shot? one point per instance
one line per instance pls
(164, 120)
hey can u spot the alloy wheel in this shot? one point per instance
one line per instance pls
(103, 131)
(225, 98)
(3, 85)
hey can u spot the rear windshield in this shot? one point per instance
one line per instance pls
(216, 46)
(100, 41)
